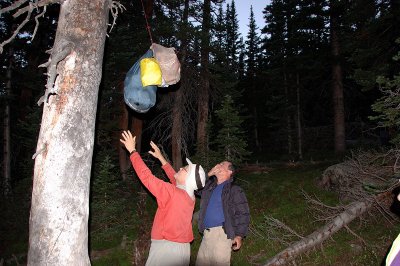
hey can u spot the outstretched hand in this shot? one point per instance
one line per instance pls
(128, 140)
(156, 152)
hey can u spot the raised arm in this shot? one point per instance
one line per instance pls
(160, 189)
(164, 163)
(157, 153)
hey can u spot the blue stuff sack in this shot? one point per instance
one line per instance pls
(137, 97)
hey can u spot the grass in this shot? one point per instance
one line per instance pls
(276, 193)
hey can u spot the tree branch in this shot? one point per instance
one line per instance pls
(15, 5)
(115, 8)
(31, 6)
(37, 22)
(28, 16)
(59, 52)
(27, 9)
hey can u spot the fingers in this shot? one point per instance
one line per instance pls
(154, 146)
(126, 134)
(156, 151)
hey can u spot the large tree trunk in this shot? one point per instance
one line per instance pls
(337, 85)
(299, 127)
(124, 162)
(177, 116)
(176, 131)
(58, 226)
(6, 131)
(204, 93)
(288, 120)
(255, 126)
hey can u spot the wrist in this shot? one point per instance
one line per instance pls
(132, 152)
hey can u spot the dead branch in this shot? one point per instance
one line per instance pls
(13, 6)
(116, 7)
(367, 180)
(37, 22)
(343, 219)
(363, 175)
(32, 6)
(28, 17)
(27, 9)
(274, 230)
(59, 53)
(317, 237)
(354, 234)
(321, 211)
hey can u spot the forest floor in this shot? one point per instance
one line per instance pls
(275, 190)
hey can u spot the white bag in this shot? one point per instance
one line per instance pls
(169, 64)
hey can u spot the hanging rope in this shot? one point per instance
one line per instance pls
(147, 23)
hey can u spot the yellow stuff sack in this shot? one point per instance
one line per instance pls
(150, 72)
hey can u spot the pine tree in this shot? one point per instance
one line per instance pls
(232, 36)
(252, 84)
(230, 140)
(252, 46)
(387, 107)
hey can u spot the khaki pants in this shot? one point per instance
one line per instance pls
(215, 248)
(168, 253)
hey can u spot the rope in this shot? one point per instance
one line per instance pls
(147, 23)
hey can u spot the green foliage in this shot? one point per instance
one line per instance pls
(232, 36)
(275, 192)
(117, 257)
(278, 193)
(112, 216)
(252, 47)
(230, 139)
(370, 48)
(104, 179)
(388, 106)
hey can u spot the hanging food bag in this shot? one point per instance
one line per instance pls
(138, 97)
(150, 72)
(169, 64)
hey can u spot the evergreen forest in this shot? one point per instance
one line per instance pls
(306, 105)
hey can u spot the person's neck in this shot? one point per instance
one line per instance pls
(221, 180)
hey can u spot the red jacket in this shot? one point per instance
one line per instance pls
(173, 219)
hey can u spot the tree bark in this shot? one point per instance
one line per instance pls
(6, 130)
(337, 85)
(205, 77)
(58, 225)
(299, 127)
(176, 131)
(288, 120)
(124, 163)
(177, 116)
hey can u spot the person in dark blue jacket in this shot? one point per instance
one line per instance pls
(224, 216)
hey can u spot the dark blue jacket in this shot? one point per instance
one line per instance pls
(235, 206)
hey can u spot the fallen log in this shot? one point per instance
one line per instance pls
(351, 212)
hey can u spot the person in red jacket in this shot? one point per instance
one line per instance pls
(171, 233)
